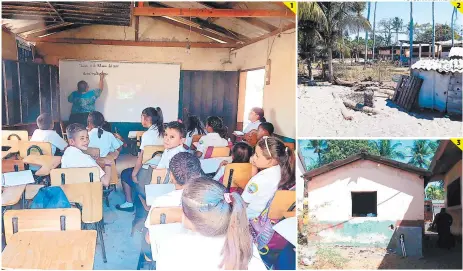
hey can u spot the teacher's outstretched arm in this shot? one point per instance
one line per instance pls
(101, 85)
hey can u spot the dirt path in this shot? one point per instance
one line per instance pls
(320, 117)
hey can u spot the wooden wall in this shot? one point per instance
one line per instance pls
(210, 93)
(28, 90)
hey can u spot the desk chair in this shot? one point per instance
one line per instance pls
(41, 220)
(60, 176)
(213, 152)
(237, 175)
(283, 205)
(34, 147)
(158, 216)
(290, 145)
(95, 152)
(151, 151)
(11, 165)
(15, 135)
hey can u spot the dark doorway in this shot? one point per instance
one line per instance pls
(454, 193)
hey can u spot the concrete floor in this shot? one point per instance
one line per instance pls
(122, 250)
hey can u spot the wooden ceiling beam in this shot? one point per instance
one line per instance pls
(198, 30)
(54, 10)
(205, 12)
(179, 44)
(42, 31)
(276, 32)
(16, 8)
(63, 5)
(28, 28)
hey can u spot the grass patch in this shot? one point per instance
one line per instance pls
(329, 258)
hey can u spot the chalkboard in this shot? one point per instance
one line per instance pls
(28, 89)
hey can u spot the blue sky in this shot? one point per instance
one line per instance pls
(422, 13)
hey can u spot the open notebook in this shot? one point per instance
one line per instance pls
(17, 178)
(287, 228)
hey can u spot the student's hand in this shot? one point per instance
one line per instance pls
(223, 163)
(134, 179)
(95, 157)
(108, 160)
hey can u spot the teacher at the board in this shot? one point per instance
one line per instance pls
(83, 101)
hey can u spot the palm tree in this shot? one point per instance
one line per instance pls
(358, 8)
(318, 147)
(387, 149)
(397, 25)
(339, 17)
(422, 152)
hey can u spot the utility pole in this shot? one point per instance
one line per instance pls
(374, 36)
(433, 32)
(411, 35)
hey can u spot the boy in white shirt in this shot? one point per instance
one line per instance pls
(74, 157)
(45, 133)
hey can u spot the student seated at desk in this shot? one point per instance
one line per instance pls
(194, 126)
(74, 157)
(241, 153)
(99, 138)
(216, 221)
(265, 129)
(276, 162)
(216, 134)
(45, 133)
(152, 119)
(107, 127)
(174, 138)
(256, 116)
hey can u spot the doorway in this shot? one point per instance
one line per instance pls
(253, 92)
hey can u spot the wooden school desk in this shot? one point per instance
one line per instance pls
(89, 196)
(45, 162)
(12, 194)
(59, 250)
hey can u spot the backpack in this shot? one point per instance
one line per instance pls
(50, 198)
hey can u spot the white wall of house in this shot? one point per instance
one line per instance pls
(400, 194)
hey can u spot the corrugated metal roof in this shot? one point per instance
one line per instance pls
(456, 52)
(440, 65)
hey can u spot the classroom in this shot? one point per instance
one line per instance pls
(119, 119)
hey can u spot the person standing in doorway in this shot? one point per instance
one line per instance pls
(443, 221)
(83, 101)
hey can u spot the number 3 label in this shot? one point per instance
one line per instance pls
(458, 142)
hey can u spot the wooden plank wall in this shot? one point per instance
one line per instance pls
(28, 89)
(211, 93)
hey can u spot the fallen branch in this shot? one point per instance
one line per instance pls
(386, 91)
(345, 113)
(341, 82)
(359, 107)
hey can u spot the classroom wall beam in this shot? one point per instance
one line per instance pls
(46, 30)
(134, 43)
(198, 30)
(276, 32)
(29, 28)
(204, 12)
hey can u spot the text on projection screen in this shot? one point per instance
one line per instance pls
(128, 88)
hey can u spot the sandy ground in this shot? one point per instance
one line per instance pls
(325, 256)
(320, 117)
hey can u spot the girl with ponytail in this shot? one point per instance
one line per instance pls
(256, 116)
(217, 235)
(276, 162)
(216, 136)
(153, 120)
(99, 138)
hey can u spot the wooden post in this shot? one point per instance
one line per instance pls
(419, 51)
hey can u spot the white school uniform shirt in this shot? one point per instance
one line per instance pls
(260, 189)
(107, 143)
(219, 173)
(189, 137)
(51, 137)
(74, 157)
(211, 139)
(252, 126)
(167, 156)
(151, 137)
(198, 252)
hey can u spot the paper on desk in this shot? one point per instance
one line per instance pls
(288, 229)
(132, 134)
(238, 133)
(152, 162)
(153, 191)
(17, 178)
